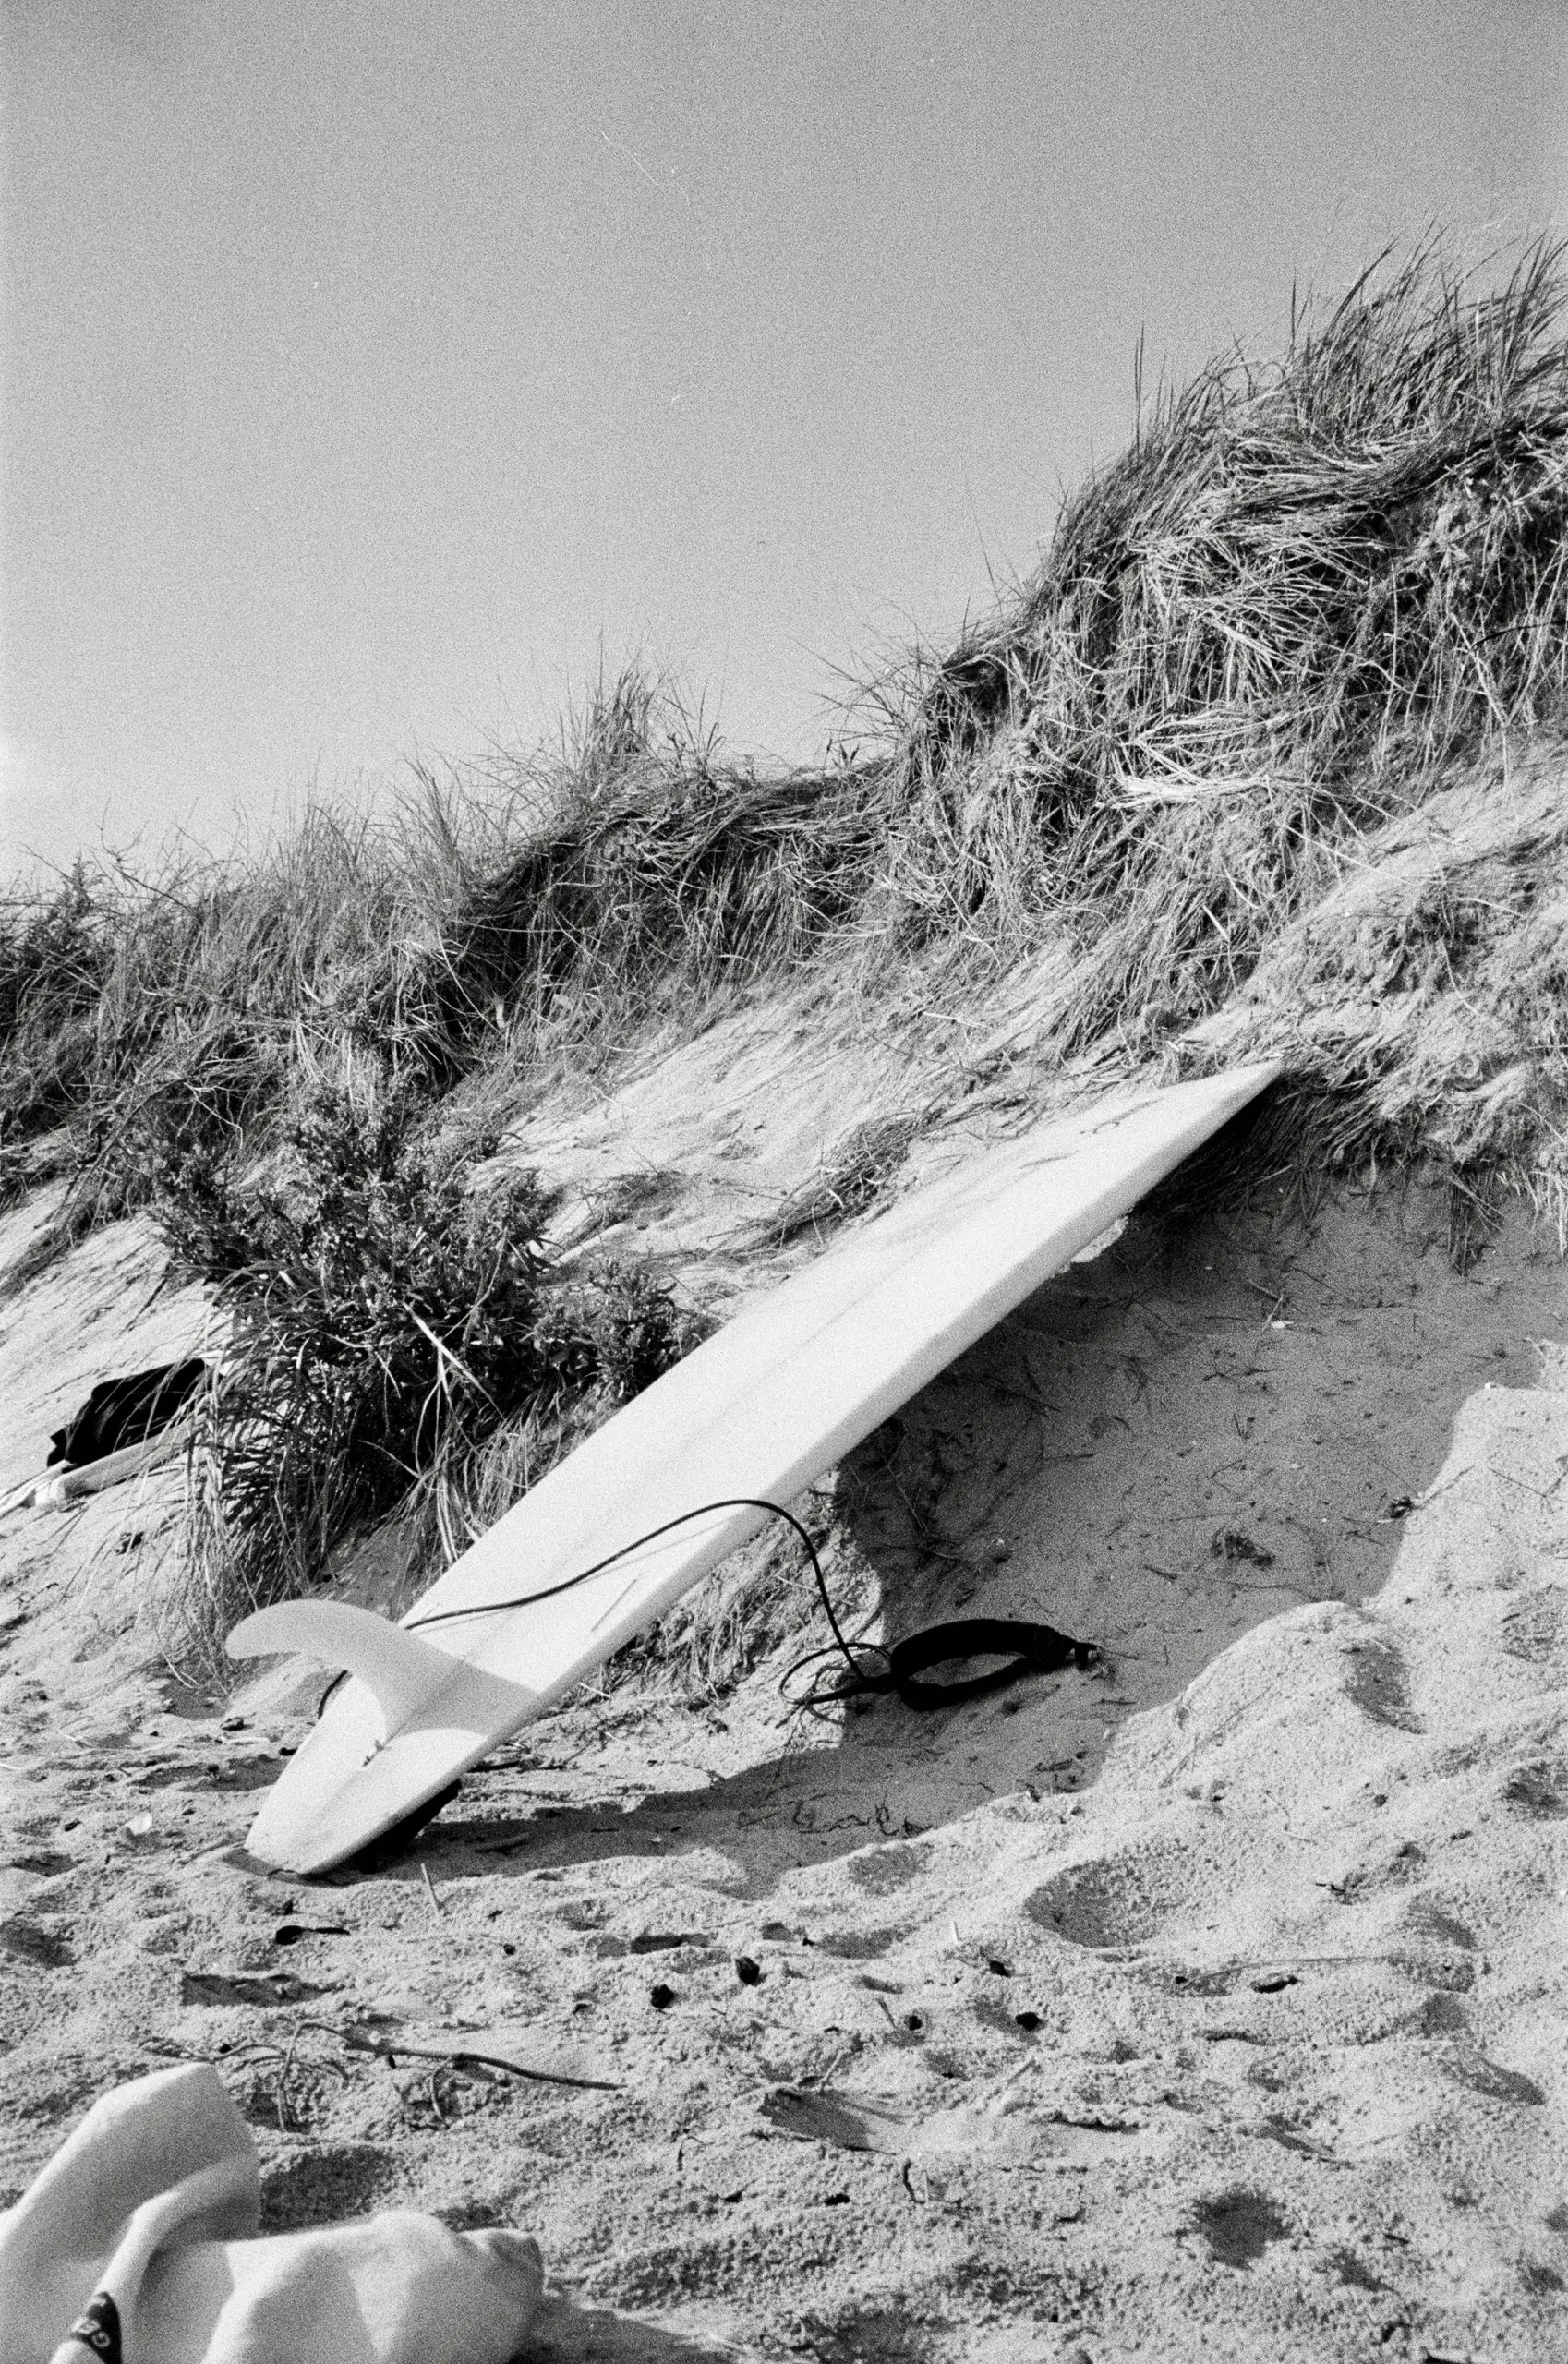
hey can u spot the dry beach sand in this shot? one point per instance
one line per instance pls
(1217, 1996)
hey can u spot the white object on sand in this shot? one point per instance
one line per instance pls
(759, 1409)
(52, 1490)
(139, 2240)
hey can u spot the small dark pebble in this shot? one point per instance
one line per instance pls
(1028, 2021)
(661, 1997)
(1274, 1983)
(748, 1971)
(507, 1947)
(837, 2200)
(915, 2022)
(998, 1969)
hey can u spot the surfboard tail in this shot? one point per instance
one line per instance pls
(401, 1673)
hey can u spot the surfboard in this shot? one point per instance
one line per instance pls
(761, 1408)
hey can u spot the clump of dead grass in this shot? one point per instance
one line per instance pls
(852, 1173)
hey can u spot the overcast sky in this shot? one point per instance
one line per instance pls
(369, 364)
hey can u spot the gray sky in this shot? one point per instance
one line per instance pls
(371, 363)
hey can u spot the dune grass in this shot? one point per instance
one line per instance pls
(1309, 586)
(1306, 585)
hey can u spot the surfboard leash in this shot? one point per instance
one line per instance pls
(1025, 1648)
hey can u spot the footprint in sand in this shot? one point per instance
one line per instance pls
(1112, 1901)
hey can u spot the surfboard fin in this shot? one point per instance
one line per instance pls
(402, 1671)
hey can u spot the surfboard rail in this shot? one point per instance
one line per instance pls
(758, 1411)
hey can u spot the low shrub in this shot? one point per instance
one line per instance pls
(383, 1323)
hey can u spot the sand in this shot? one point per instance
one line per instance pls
(1216, 1997)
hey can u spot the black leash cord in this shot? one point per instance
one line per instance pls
(568, 1584)
(683, 1518)
(1038, 1648)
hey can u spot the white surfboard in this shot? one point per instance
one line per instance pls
(761, 1408)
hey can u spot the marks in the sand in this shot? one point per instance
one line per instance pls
(1395, 1869)
(46, 1863)
(1533, 1627)
(265, 1989)
(1539, 1789)
(1428, 1919)
(1434, 1947)
(875, 2332)
(1238, 2224)
(1277, 2127)
(1183, 1981)
(182, 1773)
(1492, 2081)
(319, 2184)
(1441, 1971)
(1446, 1971)
(41, 1944)
(75, 2084)
(1112, 1901)
(241, 1773)
(1378, 1682)
(1353, 2271)
(852, 1945)
(1442, 2014)
(1005, 2018)
(881, 1870)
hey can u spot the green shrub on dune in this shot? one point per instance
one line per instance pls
(384, 1324)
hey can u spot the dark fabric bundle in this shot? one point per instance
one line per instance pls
(125, 1411)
